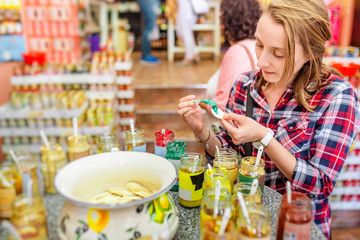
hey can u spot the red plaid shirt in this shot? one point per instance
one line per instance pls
(319, 140)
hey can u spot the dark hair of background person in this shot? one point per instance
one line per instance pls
(239, 18)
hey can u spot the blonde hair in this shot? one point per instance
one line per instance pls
(307, 22)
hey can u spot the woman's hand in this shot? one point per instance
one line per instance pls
(243, 129)
(191, 113)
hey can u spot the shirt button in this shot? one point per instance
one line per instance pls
(311, 195)
(291, 127)
(283, 100)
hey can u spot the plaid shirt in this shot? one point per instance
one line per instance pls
(319, 140)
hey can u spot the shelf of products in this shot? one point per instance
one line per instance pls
(209, 34)
(48, 102)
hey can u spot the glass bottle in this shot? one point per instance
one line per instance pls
(12, 173)
(29, 218)
(248, 171)
(136, 142)
(211, 228)
(209, 206)
(191, 177)
(228, 159)
(52, 159)
(7, 196)
(108, 143)
(174, 150)
(294, 218)
(221, 174)
(162, 137)
(78, 147)
(244, 188)
(260, 223)
(29, 168)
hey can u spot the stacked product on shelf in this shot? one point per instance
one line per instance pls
(52, 96)
(125, 94)
(51, 27)
(12, 43)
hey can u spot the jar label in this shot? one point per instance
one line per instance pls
(176, 163)
(190, 185)
(160, 151)
(295, 231)
(76, 155)
(141, 148)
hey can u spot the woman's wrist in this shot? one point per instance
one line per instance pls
(204, 136)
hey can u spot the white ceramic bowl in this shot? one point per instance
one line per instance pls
(85, 177)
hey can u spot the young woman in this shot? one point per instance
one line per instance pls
(304, 113)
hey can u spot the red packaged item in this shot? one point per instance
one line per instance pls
(32, 57)
(162, 138)
(348, 69)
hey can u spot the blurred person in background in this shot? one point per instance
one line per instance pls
(149, 9)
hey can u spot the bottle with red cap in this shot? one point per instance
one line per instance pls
(162, 138)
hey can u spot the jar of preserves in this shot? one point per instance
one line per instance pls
(29, 217)
(135, 142)
(52, 160)
(162, 137)
(108, 143)
(7, 196)
(174, 150)
(191, 177)
(214, 174)
(214, 209)
(12, 173)
(260, 223)
(29, 168)
(211, 228)
(294, 221)
(78, 147)
(248, 171)
(227, 158)
(245, 189)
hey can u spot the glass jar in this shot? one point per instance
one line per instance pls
(248, 171)
(174, 150)
(29, 218)
(78, 147)
(135, 142)
(52, 160)
(7, 196)
(108, 143)
(217, 174)
(244, 188)
(294, 218)
(29, 168)
(12, 173)
(191, 177)
(208, 207)
(228, 159)
(260, 223)
(211, 228)
(162, 138)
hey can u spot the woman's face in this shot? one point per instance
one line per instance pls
(271, 50)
